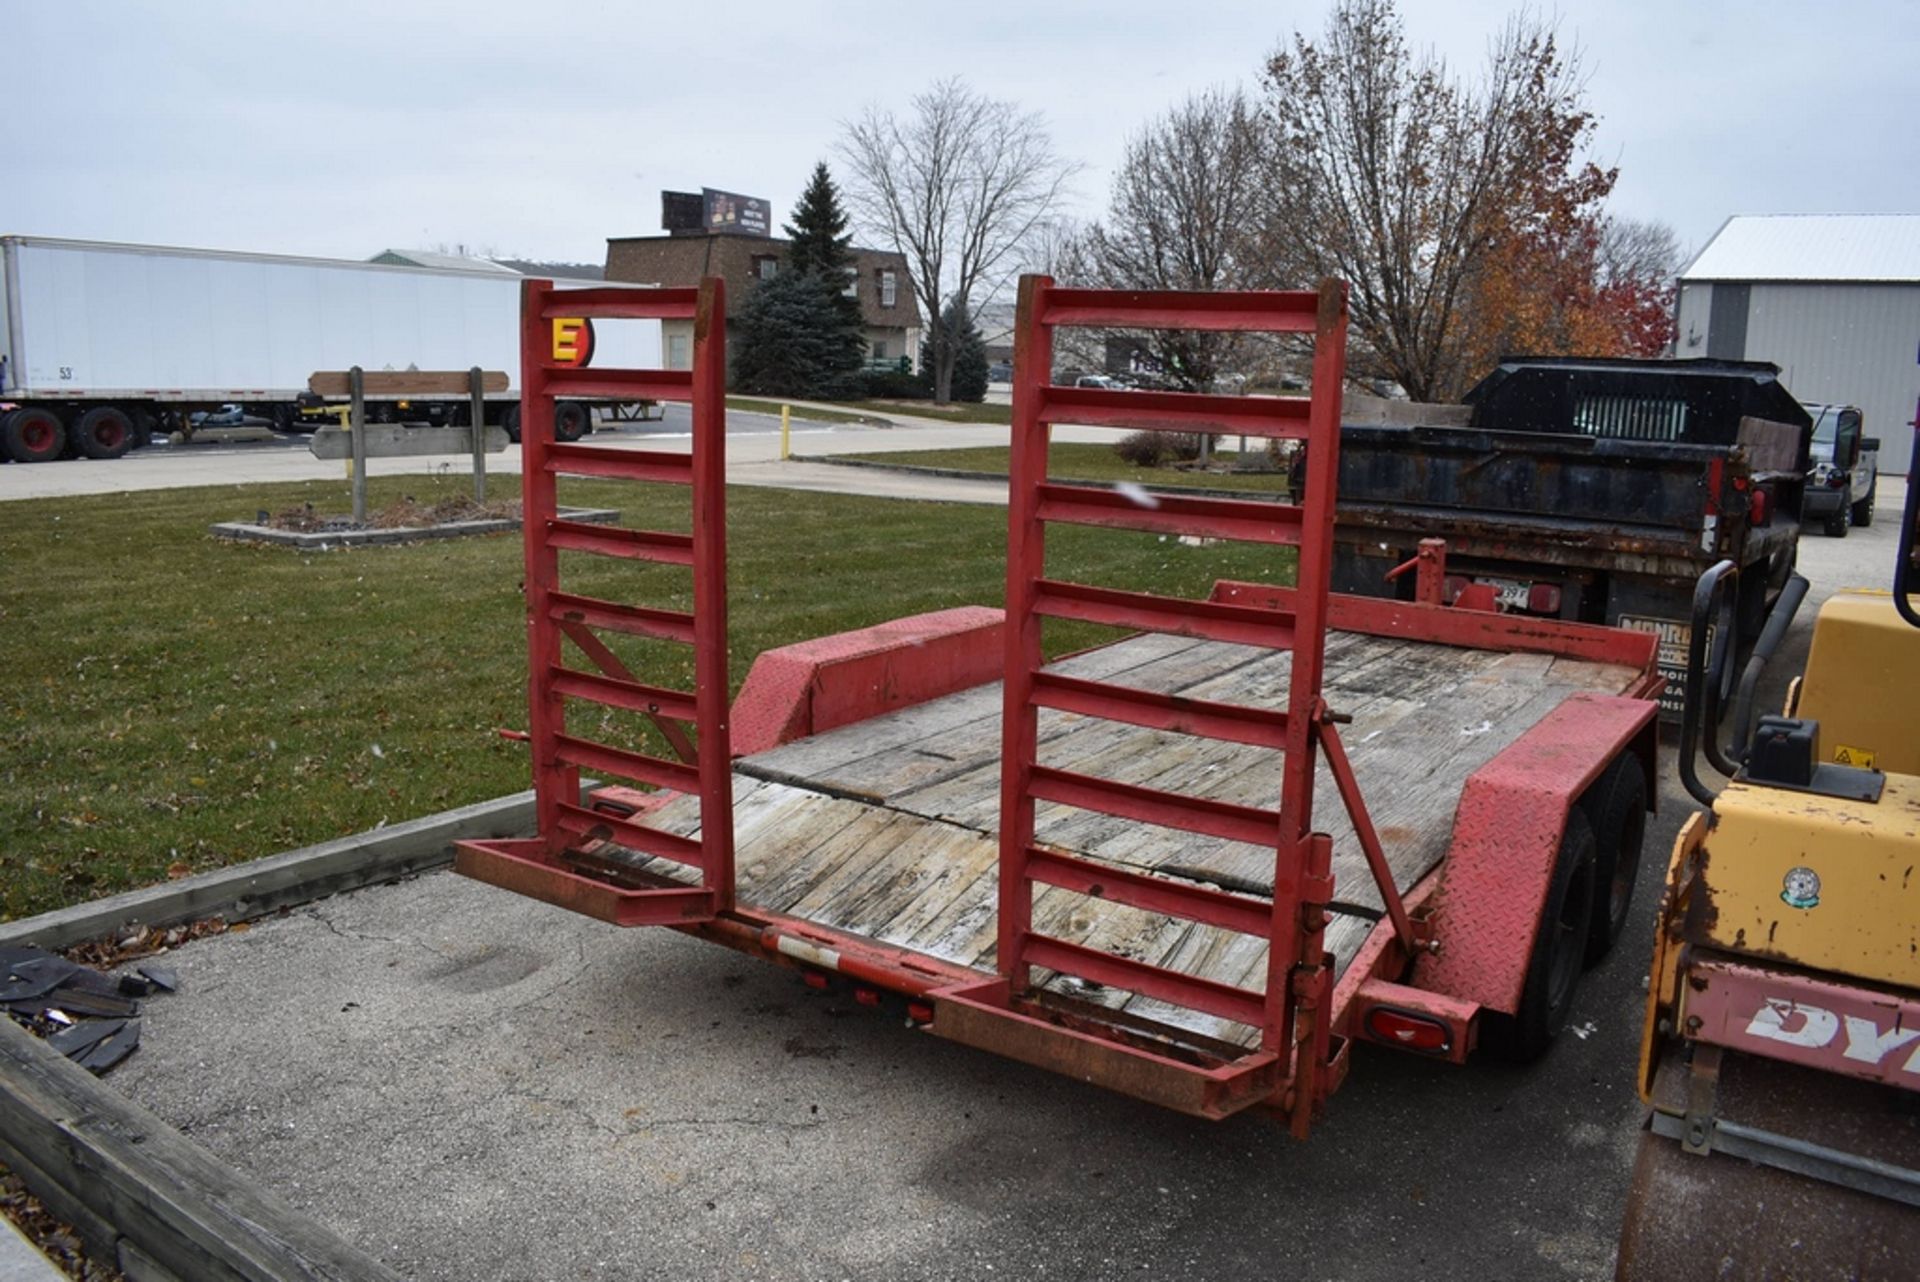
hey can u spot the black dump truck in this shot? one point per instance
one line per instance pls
(1587, 489)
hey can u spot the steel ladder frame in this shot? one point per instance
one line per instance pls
(1292, 1013)
(551, 866)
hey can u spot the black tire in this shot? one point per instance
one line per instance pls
(1559, 952)
(571, 421)
(32, 436)
(511, 422)
(104, 431)
(1616, 807)
(1835, 524)
(1862, 512)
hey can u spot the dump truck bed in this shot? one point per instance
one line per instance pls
(886, 829)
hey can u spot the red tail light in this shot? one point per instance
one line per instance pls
(1758, 510)
(1544, 598)
(1408, 1031)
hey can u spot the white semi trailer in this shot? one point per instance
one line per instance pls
(101, 343)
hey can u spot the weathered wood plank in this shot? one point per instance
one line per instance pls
(386, 383)
(891, 836)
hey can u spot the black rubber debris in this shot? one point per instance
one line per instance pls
(86, 1015)
(164, 978)
(112, 1049)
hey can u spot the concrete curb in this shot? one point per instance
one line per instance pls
(278, 881)
(330, 540)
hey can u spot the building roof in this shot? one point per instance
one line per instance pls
(553, 271)
(433, 258)
(1811, 247)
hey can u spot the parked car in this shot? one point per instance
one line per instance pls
(1000, 372)
(1101, 381)
(1844, 472)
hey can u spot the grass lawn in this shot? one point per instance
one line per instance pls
(1086, 462)
(178, 703)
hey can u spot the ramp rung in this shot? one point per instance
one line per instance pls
(620, 465)
(1209, 620)
(582, 822)
(621, 304)
(1171, 514)
(1149, 893)
(1223, 1000)
(1278, 417)
(1233, 723)
(604, 758)
(620, 384)
(633, 620)
(613, 692)
(613, 540)
(1222, 819)
(1263, 312)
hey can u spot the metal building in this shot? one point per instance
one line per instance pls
(1832, 299)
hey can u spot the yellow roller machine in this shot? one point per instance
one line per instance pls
(1781, 1058)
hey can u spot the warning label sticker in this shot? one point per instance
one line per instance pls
(1674, 636)
(1845, 755)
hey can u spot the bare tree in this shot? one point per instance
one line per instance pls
(1406, 182)
(1181, 216)
(957, 185)
(1637, 251)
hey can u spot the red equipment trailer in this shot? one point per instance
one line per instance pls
(1079, 864)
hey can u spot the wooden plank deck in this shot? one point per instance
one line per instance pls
(886, 828)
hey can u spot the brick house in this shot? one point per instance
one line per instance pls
(879, 279)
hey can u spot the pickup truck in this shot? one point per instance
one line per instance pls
(1585, 489)
(1845, 470)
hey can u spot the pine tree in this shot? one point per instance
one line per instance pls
(819, 229)
(956, 329)
(800, 333)
(789, 340)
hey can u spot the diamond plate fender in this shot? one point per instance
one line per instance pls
(1506, 832)
(798, 690)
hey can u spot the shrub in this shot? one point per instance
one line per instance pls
(1142, 449)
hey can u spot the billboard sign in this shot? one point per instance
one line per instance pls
(728, 211)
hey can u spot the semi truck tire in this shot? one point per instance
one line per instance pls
(1616, 807)
(571, 421)
(1559, 952)
(510, 421)
(1863, 510)
(103, 432)
(32, 436)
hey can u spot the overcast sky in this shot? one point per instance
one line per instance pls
(541, 130)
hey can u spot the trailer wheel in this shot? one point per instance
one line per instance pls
(103, 432)
(1559, 952)
(1863, 510)
(511, 422)
(571, 421)
(1616, 808)
(32, 436)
